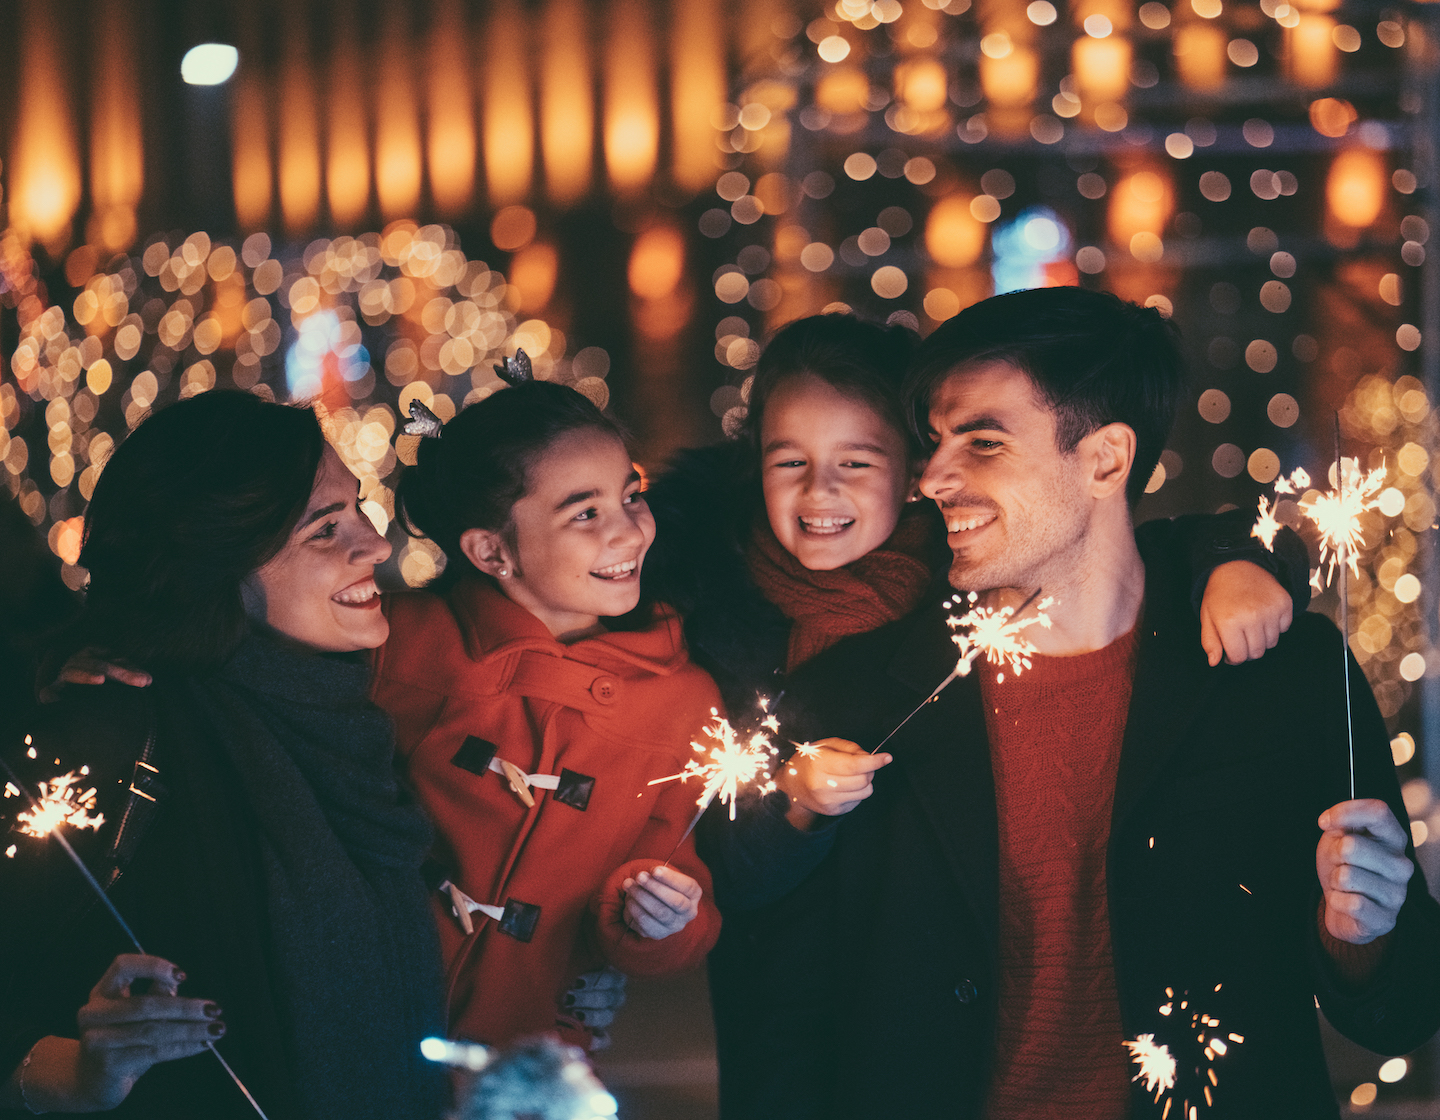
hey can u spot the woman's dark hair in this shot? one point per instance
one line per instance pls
(198, 497)
(1093, 358)
(857, 358)
(474, 473)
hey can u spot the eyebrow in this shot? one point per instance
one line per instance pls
(323, 511)
(782, 444)
(575, 498)
(980, 424)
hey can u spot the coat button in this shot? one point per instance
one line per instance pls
(965, 991)
(604, 689)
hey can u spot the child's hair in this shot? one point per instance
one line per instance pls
(857, 358)
(474, 473)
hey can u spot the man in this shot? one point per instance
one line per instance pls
(1119, 843)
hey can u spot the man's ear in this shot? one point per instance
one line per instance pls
(488, 551)
(1110, 459)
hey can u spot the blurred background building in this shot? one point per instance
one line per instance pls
(367, 202)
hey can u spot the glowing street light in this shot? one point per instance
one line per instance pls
(209, 64)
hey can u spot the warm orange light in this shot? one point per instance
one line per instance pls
(397, 119)
(1009, 81)
(1311, 58)
(1101, 67)
(954, 237)
(299, 128)
(842, 90)
(632, 119)
(1200, 56)
(657, 262)
(532, 274)
(250, 137)
(697, 86)
(1355, 187)
(450, 149)
(567, 112)
(1332, 117)
(921, 84)
(509, 125)
(117, 154)
(44, 159)
(1120, 13)
(1141, 203)
(347, 156)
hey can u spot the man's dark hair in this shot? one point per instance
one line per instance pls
(472, 476)
(857, 358)
(1093, 358)
(203, 493)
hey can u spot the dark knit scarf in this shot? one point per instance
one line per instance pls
(356, 958)
(883, 585)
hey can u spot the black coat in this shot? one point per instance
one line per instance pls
(880, 989)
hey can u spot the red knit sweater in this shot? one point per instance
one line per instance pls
(1055, 735)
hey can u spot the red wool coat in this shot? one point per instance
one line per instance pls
(474, 676)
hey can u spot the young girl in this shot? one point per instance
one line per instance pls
(530, 730)
(807, 530)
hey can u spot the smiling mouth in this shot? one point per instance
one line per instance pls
(624, 570)
(362, 594)
(955, 524)
(824, 526)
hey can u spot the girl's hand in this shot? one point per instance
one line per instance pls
(1243, 613)
(593, 1000)
(660, 902)
(122, 1034)
(93, 666)
(827, 779)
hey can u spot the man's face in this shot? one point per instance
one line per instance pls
(1016, 509)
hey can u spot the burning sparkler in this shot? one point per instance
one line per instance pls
(998, 634)
(61, 803)
(735, 760)
(1160, 1069)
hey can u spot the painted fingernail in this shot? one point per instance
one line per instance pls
(569, 1001)
(216, 1029)
(580, 1015)
(179, 976)
(212, 1010)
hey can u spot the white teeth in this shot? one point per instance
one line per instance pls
(621, 569)
(957, 526)
(357, 593)
(826, 524)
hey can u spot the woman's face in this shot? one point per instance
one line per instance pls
(320, 589)
(834, 471)
(579, 537)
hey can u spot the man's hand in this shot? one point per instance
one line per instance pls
(592, 1002)
(1363, 869)
(91, 667)
(1243, 613)
(660, 902)
(827, 779)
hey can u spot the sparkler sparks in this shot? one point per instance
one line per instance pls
(998, 634)
(61, 801)
(1336, 515)
(735, 760)
(1162, 1071)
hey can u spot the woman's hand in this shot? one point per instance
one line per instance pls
(592, 1001)
(660, 902)
(827, 779)
(90, 667)
(122, 1034)
(1243, 613)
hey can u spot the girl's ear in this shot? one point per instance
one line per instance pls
(917, 471)
(488, 551)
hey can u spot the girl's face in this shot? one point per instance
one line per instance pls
(834, 471)
(320, 589)
(579, 537)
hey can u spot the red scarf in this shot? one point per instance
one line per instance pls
(883, 585)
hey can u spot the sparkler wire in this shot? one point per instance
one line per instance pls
(122, 923)
(954, 674)
(1345, 608)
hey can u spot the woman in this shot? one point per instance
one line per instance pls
(268, 856)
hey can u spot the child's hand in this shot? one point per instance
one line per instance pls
(660, 902)
(827, 779)
(1243, 613)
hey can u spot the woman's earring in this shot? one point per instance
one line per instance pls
(503, 572)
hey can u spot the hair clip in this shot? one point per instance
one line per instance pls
(516, 370)
(423, 422)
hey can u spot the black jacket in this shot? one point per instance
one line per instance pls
(881, 982)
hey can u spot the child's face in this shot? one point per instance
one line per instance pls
(581, 534)
(834, 471)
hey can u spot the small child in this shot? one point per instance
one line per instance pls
(531, 723)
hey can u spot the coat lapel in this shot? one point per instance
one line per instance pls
(944, 754)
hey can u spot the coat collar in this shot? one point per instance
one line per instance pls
(493, 626)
